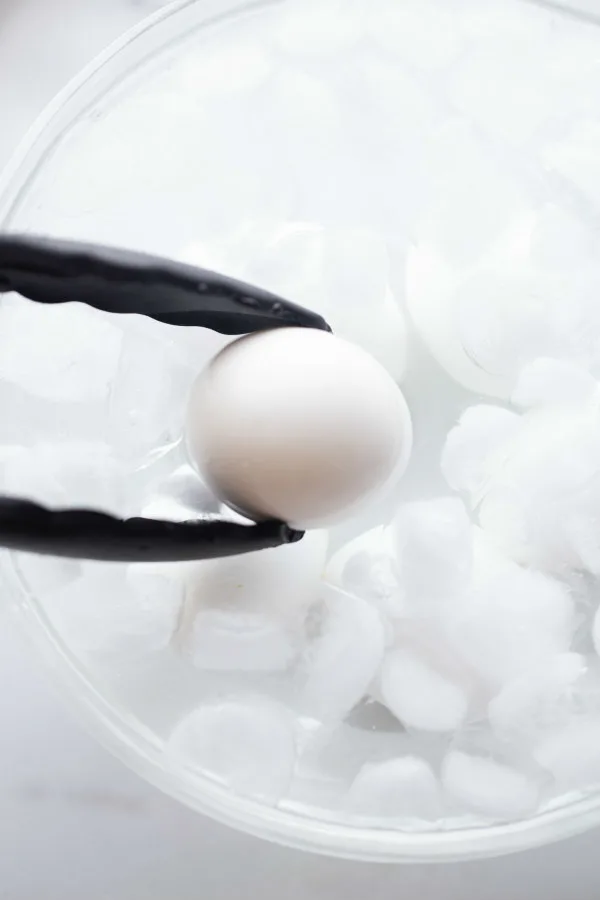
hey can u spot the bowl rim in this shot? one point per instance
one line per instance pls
(123, 735)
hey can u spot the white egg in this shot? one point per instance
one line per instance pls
(297, 425)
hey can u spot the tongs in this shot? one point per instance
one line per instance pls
(121, 281)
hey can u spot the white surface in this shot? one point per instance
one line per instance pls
(73, 822)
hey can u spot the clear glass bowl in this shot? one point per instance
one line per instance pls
(152, 185)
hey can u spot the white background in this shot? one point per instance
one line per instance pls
(76, 825)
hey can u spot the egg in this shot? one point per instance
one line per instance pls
(297, 425)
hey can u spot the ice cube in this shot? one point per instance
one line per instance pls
(596, 632)
(538, 699)
(318, 27)
(63, 353)
(235, 67)
(422, 33)
(513, 623)
(572, 754)
(204, 255)
(237, 641)
(45, 574)
(488, 560)
(475, 446)
(290, 263)
(79, 474)
(504, 317)
(363, 567)
(234, 253)
(560, 240)
(356, 296)
(182, 495)
(511, 104)
(577, 158)
(554, 382)
(402, 788)
(307, 111)
(341, 662)
(135, 152)
(117, 611)
(147, 404)
(431, 284)
(490, 788)
(283, 580)
(382, 333)
(490, 228)
(433, 549)
(542, 503)
(407, 107)
(356, 268)
(457, 279)
(344, 274)
(245, 742)
(420, 696)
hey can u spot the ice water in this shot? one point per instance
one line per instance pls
(426, 175)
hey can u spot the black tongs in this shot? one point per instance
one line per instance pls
(120, 281)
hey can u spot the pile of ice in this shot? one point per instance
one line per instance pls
(473, 629)
(533, 478)
(426, 618)
(478, 649)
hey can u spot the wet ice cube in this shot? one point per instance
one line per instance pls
(490, 788)
(577, 158)
(341, 273)
(514, 622)
(475, 446)
(340, 664)
(541, 505)
(66, 353)
(560, 240)
(45, 574)
(357, 298)
(356, 267)
(383, 334)
(572, 754)
(432, 547)
(80, 474)
(422, 33)
(512, 103)
(420, 696)
(402, 788)
(181, 496)
(363, 567)
(245, 742)
(116, 611)
(476, 212)
(147, 405)
(224, 640)
(538, 699)
(596, 632)
(318, 27)
(554, 382)
(290, 263)
(306, 107)
(283, 580)
(504, 316)
(238, 67)
(407, 107)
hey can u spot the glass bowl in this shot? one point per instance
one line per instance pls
(190, 138)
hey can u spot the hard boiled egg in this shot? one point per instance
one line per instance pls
(297, 425)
